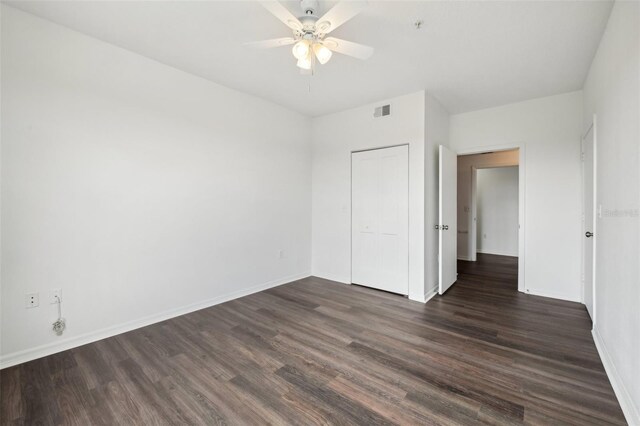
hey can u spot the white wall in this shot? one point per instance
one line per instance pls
(436, 133)
(140, 190)
(416, 119)
(550, 131)
(612, 91)
(467, 210)
(497, 211)
(334, 137)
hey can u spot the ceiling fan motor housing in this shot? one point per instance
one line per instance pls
(309, 7)
(309, 18)
(310, 24)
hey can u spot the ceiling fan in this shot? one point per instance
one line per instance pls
(309, 40)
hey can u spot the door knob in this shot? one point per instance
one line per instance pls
(588, 234)
(445, 227)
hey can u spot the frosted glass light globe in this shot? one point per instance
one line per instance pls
(301, 49)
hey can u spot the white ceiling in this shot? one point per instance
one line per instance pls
(469, 55)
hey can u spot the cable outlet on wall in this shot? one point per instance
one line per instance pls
(55, 295)
(32, 300)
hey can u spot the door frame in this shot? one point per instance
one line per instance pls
(520, 146)
(354, 151)
(473, 238)
(593, 128)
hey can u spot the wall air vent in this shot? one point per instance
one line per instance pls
(382, 111)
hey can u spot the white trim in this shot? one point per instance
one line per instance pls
(496, 252)
(418, 299)
(379, 147)
(333, 278)
(631, 412)
(426, 297)
(19, 357)
(473, 240)
(534, 292)
(521, 217)
(521, 146)
(431, 294)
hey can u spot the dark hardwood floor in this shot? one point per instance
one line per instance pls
(318, 352)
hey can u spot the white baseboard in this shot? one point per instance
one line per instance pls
(424, 298)
(430, 294)
(497, 252)
(535, 292)
(417, 298)
(631, 412)
(467, 258)
(30, 354)
(330, 277)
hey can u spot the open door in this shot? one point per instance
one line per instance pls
(448, 220)
(589, 226)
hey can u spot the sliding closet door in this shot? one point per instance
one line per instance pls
(380, 219)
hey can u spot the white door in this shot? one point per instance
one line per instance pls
(380, 219)
(448, 220)
(589, 228)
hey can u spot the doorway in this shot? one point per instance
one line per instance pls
(488, 196)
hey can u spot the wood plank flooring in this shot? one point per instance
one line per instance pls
(319, 352)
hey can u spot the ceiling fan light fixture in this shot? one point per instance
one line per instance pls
(309, 40)
(322, 53)
(301, 50)
(305, 63)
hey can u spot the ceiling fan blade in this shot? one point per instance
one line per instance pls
(274, 42)
(339, 14)
(283, 14)
(348, 48)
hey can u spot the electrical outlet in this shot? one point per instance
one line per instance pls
(280, 254)
(32, 300)
(55, 295)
